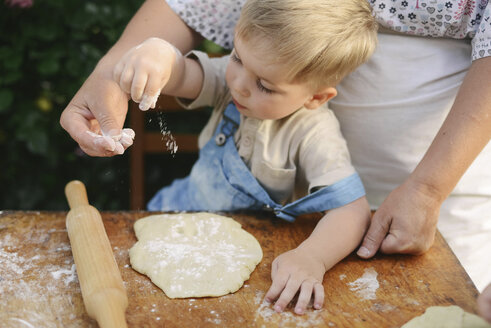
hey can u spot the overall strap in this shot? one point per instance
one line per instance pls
(336, 195)
(228, 125)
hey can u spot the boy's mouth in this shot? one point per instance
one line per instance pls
(238, 105)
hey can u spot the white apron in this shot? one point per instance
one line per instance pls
(391, 108)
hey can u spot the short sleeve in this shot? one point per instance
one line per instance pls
(481, 43)
(324, 156)
(214, 91)
(214, 19)
(214, 88)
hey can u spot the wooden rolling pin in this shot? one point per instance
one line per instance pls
(102, 287)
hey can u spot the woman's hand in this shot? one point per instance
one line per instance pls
(405, 222)
(94, 117)
(296, 270)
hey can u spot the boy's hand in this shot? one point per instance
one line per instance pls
(296, 270)
(145, 69)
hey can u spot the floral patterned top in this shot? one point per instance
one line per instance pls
(459, 19)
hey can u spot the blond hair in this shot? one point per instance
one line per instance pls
(320, 41)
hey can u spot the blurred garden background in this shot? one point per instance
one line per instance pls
(47, 49)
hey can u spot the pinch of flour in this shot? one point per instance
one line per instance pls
(366, 286)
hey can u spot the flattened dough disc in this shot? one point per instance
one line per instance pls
(447, 317)
(194, 254)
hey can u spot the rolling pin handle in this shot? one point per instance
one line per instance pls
(108, 308)
(76, 194)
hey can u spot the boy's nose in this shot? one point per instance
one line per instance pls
(240, 86)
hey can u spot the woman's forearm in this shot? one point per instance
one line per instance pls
(464, 133)
(154, 19)
(339, 232)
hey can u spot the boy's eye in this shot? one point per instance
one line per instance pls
(262, 88)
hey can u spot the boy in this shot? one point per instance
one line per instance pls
(270, 144)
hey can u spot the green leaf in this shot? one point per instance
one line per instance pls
(48, 66)
(12, 61)
(37, 140)
(6, 99)
(38, 145)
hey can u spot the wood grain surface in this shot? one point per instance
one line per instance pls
(39, 286)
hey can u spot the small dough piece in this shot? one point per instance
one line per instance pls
(194, 254)
(447, 317)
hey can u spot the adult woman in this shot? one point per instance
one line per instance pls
(393, 113)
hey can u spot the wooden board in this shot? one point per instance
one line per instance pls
(39, 287)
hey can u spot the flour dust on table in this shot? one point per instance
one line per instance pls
(194, 254)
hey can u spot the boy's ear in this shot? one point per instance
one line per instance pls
(320, 97)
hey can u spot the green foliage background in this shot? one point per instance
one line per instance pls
(46, 53)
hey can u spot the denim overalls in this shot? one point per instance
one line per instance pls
(221, 181)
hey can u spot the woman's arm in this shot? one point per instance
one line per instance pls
(100, 106)
(154, 19)
(406, 220)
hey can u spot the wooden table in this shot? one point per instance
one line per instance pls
(39, 286)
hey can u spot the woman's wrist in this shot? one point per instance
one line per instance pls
(434, 191)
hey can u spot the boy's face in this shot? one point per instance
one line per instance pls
(259, 86)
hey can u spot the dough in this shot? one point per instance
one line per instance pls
(194, 254)
(447, 317)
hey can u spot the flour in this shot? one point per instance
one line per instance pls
(68, 275)
(114, 141)
(366, 286)
(266, 316)
(167, 137)
(32, 286)
(216, 320)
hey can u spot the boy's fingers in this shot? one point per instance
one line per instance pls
(154, 85)
(304, 296)
(318, 296)
(274, 269)
(126, 79)
(287, 294)
(379, 227)
(138, 85)
(147, 102)
(279, 283)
